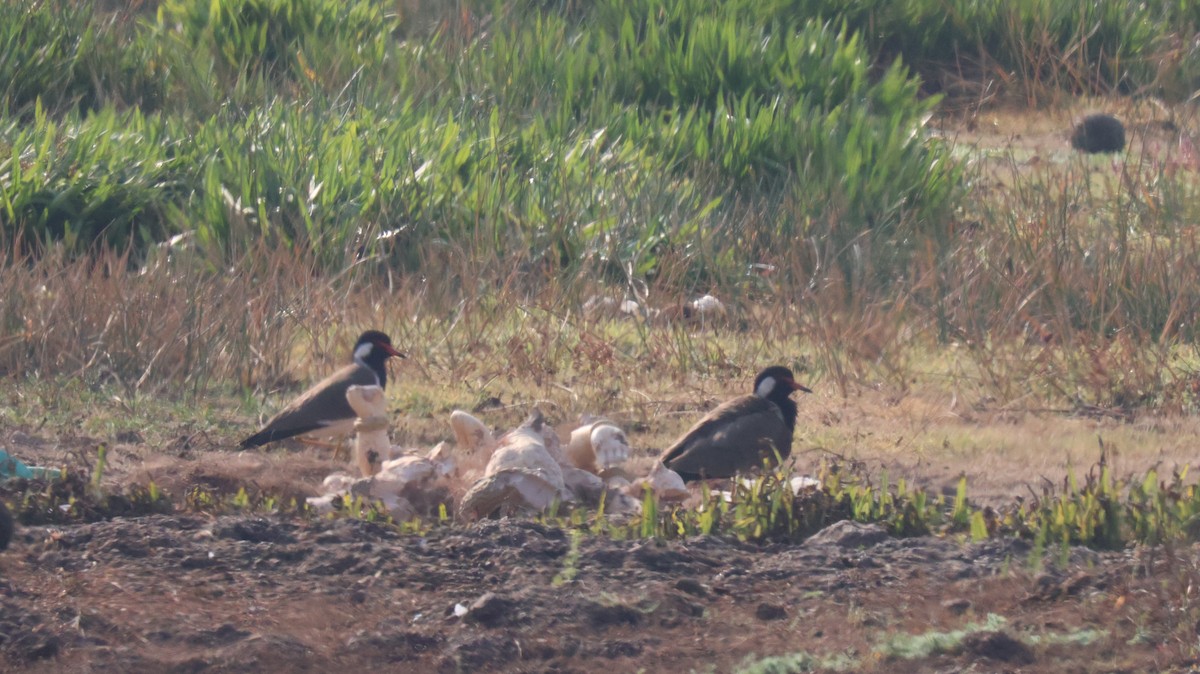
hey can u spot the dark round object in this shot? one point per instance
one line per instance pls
(6, 527)
(1098, 133)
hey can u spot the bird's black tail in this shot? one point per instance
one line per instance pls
(269, 434)
(257, 440)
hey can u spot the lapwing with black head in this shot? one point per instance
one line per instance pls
(323, 412)
(741, 434)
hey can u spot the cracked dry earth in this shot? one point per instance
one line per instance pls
(240, 594)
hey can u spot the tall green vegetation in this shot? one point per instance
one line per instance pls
(621, 133)
(69, 56)
(712, 134)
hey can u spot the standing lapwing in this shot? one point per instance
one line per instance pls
(742, 433)
(322, 411)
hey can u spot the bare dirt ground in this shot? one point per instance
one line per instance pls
(193, 594)
(186, 592)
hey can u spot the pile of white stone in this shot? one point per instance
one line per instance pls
(525, 470)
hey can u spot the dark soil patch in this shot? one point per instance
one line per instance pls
(195, 593)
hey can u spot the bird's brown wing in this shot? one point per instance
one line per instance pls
(325, 402)
(737, 436)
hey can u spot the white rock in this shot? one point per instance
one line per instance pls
(707, 305)
(337, 483)
(406, 470)
(579, 449)
(442, 458)
(521, 474)
(617, 502)
(610, 445)
(371, 441)
(803, 482)
(597, 447)
(798, 484)
(584, 486)
(664, 482)
(399, 507)
(525, 449)
(554, 446)
(470, 433)
(323, 504)
(599, 306)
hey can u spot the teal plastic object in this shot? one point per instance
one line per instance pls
(11, 467)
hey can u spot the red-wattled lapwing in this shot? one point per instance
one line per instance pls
(322, 411)
(742, 433)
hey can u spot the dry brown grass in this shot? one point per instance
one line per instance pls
(1063, 309)
(173, 324)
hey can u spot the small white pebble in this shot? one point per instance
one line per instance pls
(707, 304)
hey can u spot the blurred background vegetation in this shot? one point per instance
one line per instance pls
(779, 153)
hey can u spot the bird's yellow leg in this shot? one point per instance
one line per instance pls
(341, 449)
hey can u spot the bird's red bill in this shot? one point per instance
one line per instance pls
(799, 387)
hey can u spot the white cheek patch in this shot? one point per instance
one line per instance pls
(363, 350)
(765, 387)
